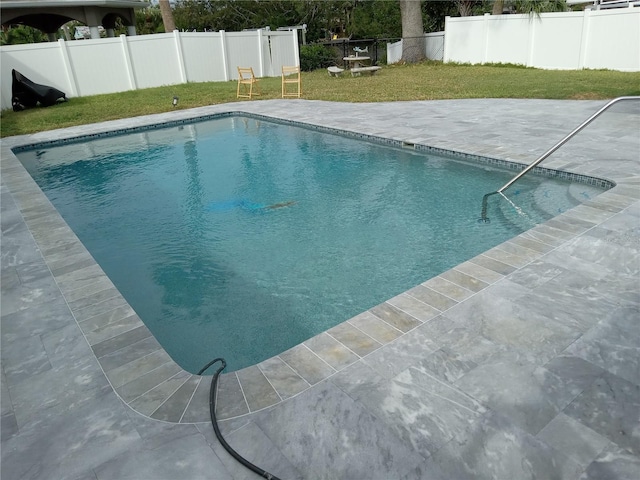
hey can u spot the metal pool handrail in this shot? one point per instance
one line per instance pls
(483, 216)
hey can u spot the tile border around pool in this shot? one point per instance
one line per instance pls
(453, 154)
(146, 378)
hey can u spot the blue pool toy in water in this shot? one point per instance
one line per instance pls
(222, 206)
(229, 205)
(244, 205)
(250, 206)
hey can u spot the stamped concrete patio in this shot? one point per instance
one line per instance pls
(522, 362)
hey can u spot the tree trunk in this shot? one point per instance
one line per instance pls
(498, 6)
(167, 16)
(412, 31)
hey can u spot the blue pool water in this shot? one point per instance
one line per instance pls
(241, 238)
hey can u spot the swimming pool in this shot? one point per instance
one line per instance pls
(240, 238)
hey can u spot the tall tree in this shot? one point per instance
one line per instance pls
(167, 16)
(412, 31)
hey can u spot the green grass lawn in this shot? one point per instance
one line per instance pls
(424, 81)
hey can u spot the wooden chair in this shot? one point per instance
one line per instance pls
(291, 76)
(247, 82)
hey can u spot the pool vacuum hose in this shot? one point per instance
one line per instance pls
(214, 422)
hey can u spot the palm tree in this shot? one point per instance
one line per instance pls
(465, 7)
(167, 16)
(412, 31)
(533, 7)
(536, 7)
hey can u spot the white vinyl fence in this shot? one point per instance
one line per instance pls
(433, 45)
(596, 39)
(109, 65)
(570, 40)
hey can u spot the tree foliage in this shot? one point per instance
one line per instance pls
(316, 56)
(540, 6)
(21, 34)
(376, 18)
(467, 8)
(237, 15)
(355, 19)
(529, 6)
(325, 19)
(434, 13)
(149, 21)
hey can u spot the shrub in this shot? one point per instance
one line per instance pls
(313, 57)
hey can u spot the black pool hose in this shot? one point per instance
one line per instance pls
(214, 422)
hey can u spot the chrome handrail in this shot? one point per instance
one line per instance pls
(483, 217)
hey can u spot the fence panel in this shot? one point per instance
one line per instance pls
(244, 50)
(614, 40)
(501, 27)
(203, 57)
(433, 47)
(284, 50)
(394, 52)
(465, 39)
(566, 40)
(109, 65)
(154, 59)
(98, 66)
(557, 40)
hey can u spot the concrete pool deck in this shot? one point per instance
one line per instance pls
(522, 362)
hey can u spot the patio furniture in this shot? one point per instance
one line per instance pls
(355, 61)
(355, 72)
(246, 82)
(291, 76)
(334, 71)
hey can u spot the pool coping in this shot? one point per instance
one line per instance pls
(144, 376)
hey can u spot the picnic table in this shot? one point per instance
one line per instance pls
(355, 61)
(357, 65)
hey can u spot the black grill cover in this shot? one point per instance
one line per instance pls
(27, 94)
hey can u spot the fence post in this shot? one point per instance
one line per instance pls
(532, 42)
(260, 53)
(296, 48)
(180, 55)
(485, 55)
(127, 62)
(223, 47)
(68, 68)
(584, 40)
(445, 45)
(375, 49)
